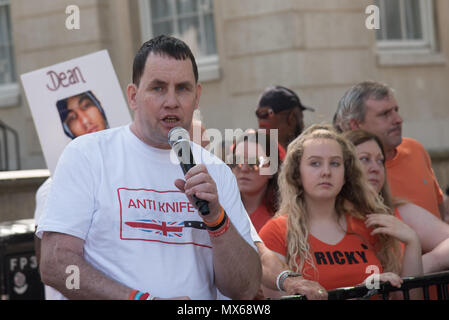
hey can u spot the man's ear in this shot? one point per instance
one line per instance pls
(198, 95)
(354, 124)
(291, 118)
(131, 92)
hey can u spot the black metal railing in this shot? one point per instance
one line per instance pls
(439, 280)
(6, 157)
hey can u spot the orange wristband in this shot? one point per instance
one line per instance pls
(221, 230)
(218, 221)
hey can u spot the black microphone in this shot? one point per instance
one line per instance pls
(179, 140)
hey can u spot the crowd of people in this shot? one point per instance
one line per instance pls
(347, 198)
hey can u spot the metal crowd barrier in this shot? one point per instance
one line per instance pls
(361, 292)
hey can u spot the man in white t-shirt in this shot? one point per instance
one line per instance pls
(120, 221)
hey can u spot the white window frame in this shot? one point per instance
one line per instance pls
(208, 66)
(9, 92)
(412, 52)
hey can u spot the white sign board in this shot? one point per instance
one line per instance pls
(73, 98)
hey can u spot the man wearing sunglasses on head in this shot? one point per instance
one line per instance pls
(280, 108)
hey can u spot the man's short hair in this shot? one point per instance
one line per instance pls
(164, 46)
(352, 104)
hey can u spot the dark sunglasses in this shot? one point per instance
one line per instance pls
(254, 164)
(264, 113)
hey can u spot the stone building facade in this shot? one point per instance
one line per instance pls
(319, 48)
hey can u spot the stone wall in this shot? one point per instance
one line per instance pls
(17, 193)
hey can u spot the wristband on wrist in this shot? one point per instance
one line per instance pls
(137, 295)
(216, 222)
(221, 228)
(284, 275)
(220, 224)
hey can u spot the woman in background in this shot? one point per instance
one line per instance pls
(256, 176)
(432, 232)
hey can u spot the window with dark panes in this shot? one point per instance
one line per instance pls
(405, 24)
(7, 69)
(189, 20)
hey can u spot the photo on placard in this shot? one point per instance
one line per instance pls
(73, 98)
(80, 113)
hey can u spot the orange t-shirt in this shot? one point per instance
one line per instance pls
(411, 176)
(341, 265)
(282, 152)
(260, 216)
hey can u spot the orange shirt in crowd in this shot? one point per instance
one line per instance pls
(260, 216)
(282, 152)
(411, 177)
(341, 265)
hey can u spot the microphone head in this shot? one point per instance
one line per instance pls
(177, 134)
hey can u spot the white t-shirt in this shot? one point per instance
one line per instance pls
(41, 199)
(118, 195)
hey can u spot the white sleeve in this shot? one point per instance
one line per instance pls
(71, 201)
(254, 234)
(41, 199)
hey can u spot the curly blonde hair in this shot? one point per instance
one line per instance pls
(355, 198)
